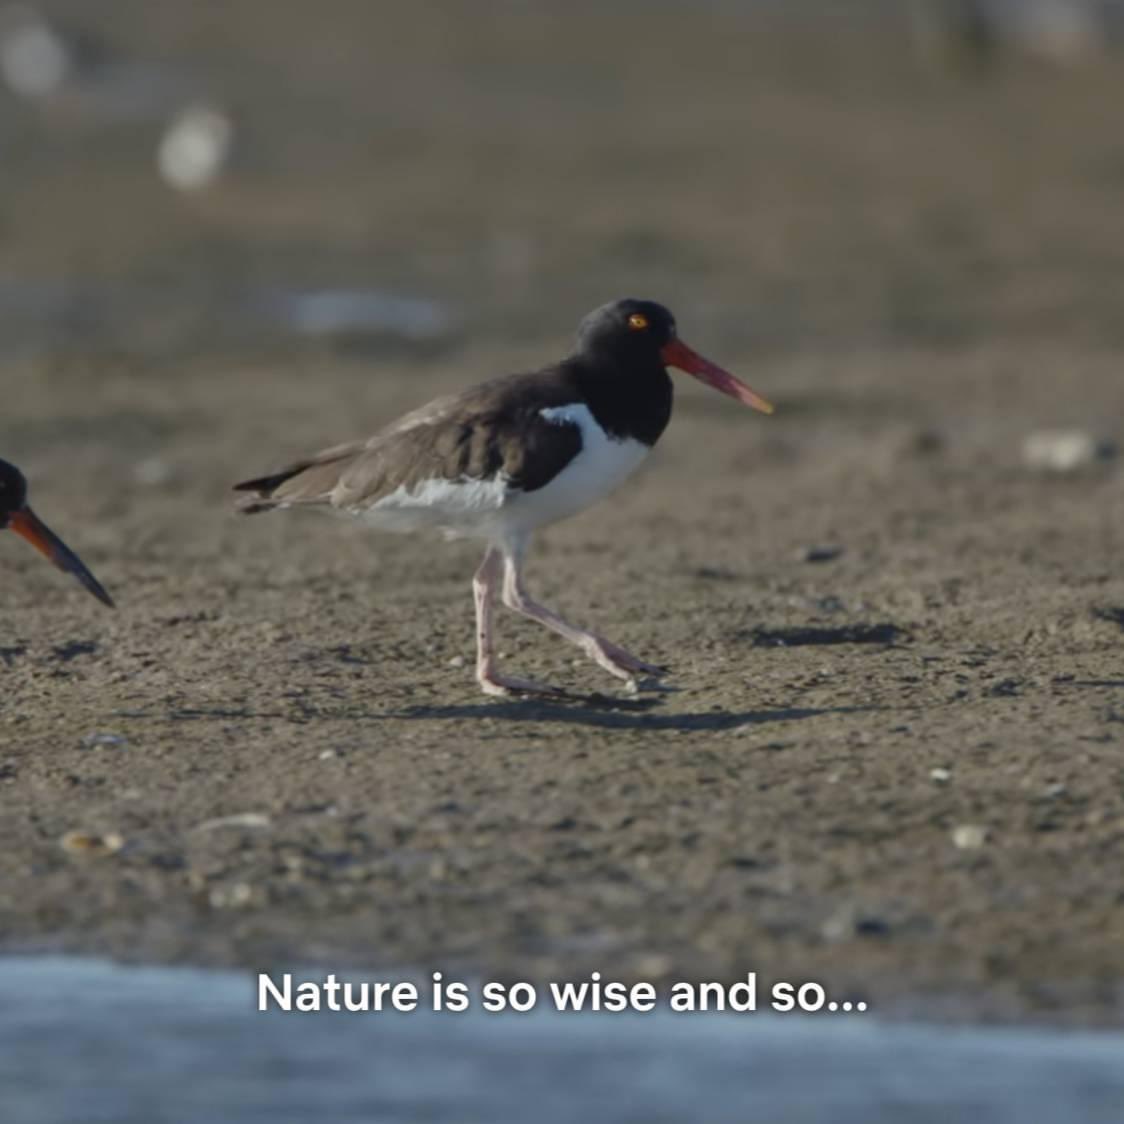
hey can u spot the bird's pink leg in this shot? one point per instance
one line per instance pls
(484, 586)
(613, 658)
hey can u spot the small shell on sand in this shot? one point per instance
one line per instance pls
(92, 845)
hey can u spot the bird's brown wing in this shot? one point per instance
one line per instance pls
(493, 428)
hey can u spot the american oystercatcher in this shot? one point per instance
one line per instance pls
(15, 515)
(504, 458)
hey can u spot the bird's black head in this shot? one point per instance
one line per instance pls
(16, 515)
(627, 331)
(640, 337)
(13, 491)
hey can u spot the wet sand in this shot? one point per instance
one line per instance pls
(919, 272)
(71, 1051)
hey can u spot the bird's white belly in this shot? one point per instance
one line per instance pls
(495, 510)
(460, 507)
(602, 465)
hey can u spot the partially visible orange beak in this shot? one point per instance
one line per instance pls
(29, 526)
(678, 354)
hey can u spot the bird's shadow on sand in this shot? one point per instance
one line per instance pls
(597, 711)
(619, 714)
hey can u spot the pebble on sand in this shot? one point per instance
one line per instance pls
(91, 845)
(823, 553)
(237, 896)
(1065, 450)
(239, 819)
(847, 922)
(195, 147)
(969, 836)
(34, 59)
(92, 740)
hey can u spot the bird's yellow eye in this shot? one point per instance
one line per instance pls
(637, 322)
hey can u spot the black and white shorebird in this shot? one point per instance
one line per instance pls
(16, 515)
(500, 460)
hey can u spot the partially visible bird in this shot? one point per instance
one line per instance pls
(504, 458)
(16, 515)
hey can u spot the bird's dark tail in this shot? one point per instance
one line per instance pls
(306, 482)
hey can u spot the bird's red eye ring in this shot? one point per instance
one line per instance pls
(637, 322)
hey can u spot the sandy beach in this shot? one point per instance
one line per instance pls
(891, 761)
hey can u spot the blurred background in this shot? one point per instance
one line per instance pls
(180, 180)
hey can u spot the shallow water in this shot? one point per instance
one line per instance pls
(85, 1040)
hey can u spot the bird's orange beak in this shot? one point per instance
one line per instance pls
(678, 354)
(29, 526)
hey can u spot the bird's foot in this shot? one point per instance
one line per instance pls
(506, 686)
(625, 665)
(653, 684)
